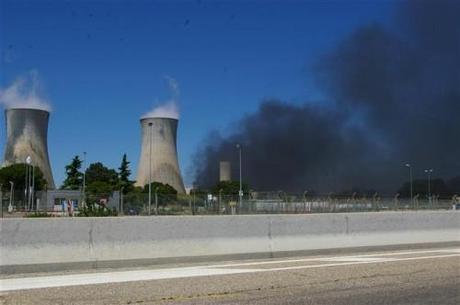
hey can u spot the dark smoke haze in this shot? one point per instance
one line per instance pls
(394, 97)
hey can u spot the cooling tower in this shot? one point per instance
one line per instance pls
(159, 152)
(225, 172)
(27, 135)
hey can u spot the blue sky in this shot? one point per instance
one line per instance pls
(103, 64)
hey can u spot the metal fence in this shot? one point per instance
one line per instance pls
(207, 204)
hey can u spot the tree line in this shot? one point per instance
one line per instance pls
(99, 179)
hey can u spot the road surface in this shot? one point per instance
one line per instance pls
(415, 276)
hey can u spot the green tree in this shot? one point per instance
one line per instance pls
(99, 190)
(101, 181)
(74, 177)
(97, 172)
(166, 192)
(123, 176)
(198, 191)
(17, 174)
(160, 188)
(229, 188)
(420, 186)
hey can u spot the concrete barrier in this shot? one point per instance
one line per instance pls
(34, 244)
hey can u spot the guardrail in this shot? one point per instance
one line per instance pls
(63, 243)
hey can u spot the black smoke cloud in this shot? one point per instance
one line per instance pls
(394, 98)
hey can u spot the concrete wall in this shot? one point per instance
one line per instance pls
(97, 240)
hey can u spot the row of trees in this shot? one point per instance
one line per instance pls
(102, 180)
(436, 186)
(98, 178)
(222, 187)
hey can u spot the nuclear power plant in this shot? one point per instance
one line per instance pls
(27, 135)
(158, 160)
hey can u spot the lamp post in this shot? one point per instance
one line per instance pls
(238, 146)
(410, 181)
(194, 198)
(10, 206)
(46, 195)
(220, 201)
(305, 194)
(1, 197)
(29, 181)
(156, 200)
(84, 180)
(121, 200)
(32, 200)
(26, 182)
(429, 172)
(150, 165)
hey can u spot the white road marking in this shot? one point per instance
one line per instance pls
(356, 259)
(160, 274)
(110, 277)
(363, 262)
(334, 258)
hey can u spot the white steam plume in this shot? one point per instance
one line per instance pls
(168, 108)
(24, 92)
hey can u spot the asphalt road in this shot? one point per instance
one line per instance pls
(425, 276)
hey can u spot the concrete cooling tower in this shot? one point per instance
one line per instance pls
(27, 135)
(225, 171)
(159, 153)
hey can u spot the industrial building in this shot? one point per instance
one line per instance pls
(225, 171)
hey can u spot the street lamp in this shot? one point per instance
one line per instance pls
(238, 146)
(410, 180)
(429, 172)
(29, 181)
(84, 180)
(32, 199)
(121, 200)
(156, 200)
(150, 165)
(220, 201)
(1, 197)
(10, 206)
(194, 198)
(305, 194)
